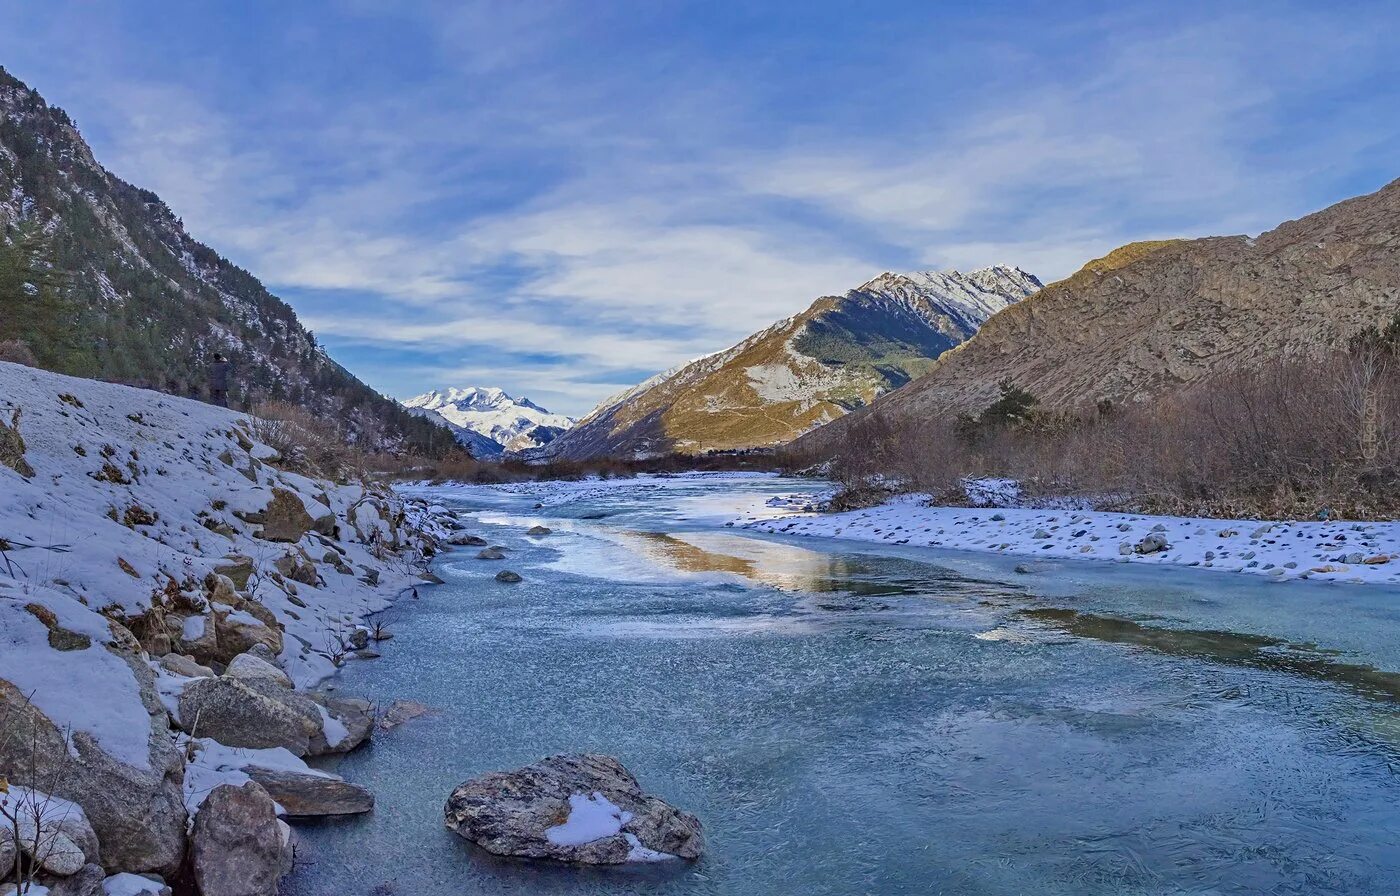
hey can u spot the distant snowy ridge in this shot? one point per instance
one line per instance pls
(490, 422)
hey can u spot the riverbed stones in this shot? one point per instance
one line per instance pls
(585, 808)
(508, 577)
(1152, 543)
(490, 554)
(237, 845)
(464, 540)
(538, 530)
(401, 711)
(306, 795)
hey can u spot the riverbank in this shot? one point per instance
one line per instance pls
(170, 598)
(1340, 551)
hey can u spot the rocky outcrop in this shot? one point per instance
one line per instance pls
(238, 847)
(285, 518)
(573, 808)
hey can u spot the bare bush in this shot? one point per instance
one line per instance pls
(1293, 438)
(306, 443)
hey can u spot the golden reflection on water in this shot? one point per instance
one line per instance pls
(773, 564)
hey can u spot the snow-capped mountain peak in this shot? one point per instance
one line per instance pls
(488, 420)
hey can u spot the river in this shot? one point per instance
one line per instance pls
(857, 719)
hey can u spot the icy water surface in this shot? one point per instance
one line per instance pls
(849, 719)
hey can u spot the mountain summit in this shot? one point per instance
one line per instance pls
(838, 355)
(488, 421)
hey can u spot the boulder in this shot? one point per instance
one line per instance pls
(87, 881)
(285, 518)
(248, 667)
(326, 525)
(354, 714)
(242, 628)
(307, 795)
(584, 808)
(237, 845)
(237, 569)
(254, 713)
(464, 540)
(490, 554)
(52, 832)
(538, 530)
(298, 569)
(136, 813)
(198, 635)
(185, 666)
(506, 575)
(401, 711)
(1151, 544)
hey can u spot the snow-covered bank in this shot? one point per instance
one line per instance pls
(159, 571)
(1335, 551)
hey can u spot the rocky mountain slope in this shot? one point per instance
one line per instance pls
(1151, 317)
(488, 421)
(98, 278)
(838, 355)
(168, 597)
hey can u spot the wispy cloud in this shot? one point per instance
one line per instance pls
(557, 197)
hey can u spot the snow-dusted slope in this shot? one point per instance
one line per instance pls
(490, 422)
(803, 371)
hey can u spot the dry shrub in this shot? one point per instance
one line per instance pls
(305, 443)
(17, 351)
(1294, 438)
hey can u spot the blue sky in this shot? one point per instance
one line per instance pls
(563, 198)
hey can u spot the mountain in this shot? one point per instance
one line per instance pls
(488, 421)
(99, 279)
(1150, 317)
(838, 355)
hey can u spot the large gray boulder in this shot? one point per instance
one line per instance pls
(237, 846)
(306, 795)
(584, 808)
(138, 814)
(254, 713)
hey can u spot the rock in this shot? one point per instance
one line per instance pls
(1125, 548)
(307, 795)
(359, 639)
(401, 711)
(431, 578)
(136, 813)
(528, 813)
(86, 881)
(1023, 569)
(298, 569)
(51, 831)
(237, 847)
(463, 540)
(1159, 528)
(354, 714)
(1041, 534)
(247, 667)
(238, 569)
(1151, 544)
(250, 713)
(506, 575)
(241, 629)
(327, 526)
(998, 517)
(285, 518)
(180, 664)
(538, 530)
(198, 637)
(490, 554)
(222, 589)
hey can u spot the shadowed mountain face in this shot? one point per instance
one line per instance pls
(132, 297)
(814, 367)
(1151, 317)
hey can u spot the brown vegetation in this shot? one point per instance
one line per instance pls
(1291, 439)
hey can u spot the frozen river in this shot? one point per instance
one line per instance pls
(858, 719)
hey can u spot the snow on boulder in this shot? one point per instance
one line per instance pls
(92, 728)
(584, 808)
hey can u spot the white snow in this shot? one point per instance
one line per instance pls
(126, 884)
(1326, 550)
(213, 764)
(334, 730)
(591, 817)
(515, 424)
